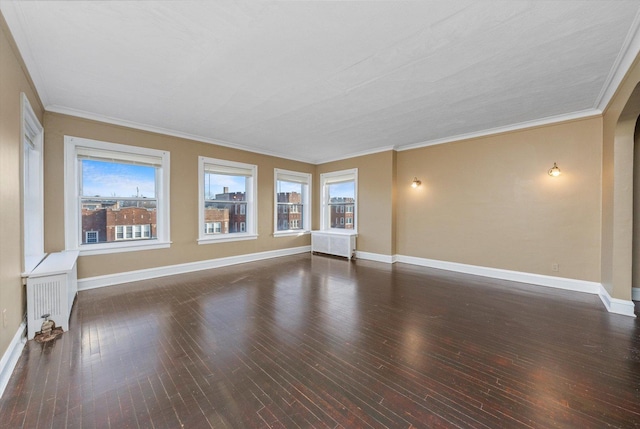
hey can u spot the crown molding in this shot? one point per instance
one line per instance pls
(11, 14)
(165, 131)
(551, 120)
(356, 154)
(627, 55)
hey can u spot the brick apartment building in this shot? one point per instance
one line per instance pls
(216, 221)
(289, 211)
(235, 205)
(108, 221)
(342, 210)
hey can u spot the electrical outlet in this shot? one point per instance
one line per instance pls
(4, 317)
(555, 267)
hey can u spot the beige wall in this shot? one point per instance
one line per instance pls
(375, 196)
(13, 81)
(490, 202)
(184, 197)
(635, 281)
(486, 201)
(619, 121)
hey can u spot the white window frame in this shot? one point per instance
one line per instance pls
(297, 177)
(251, 195)
(97, 234)
(72, 200)
(325, 210)
(214, 227)
(32, 187)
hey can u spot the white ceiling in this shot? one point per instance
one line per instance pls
(323, 80)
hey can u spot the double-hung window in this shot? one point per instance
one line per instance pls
(227, 197)
(339, 200)
(116, 197)
(292, 202)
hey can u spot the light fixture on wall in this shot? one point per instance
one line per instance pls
(415, 183)
(554, 171)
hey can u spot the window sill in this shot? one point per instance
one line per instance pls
(336, 231)
(103, 249)
(291, 233)
(224, 238)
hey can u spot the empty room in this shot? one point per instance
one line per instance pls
(319, 214)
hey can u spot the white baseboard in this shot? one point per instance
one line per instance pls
(377, 257)
(11, 356)
(151, 273)
(635, 293)
(613, 305)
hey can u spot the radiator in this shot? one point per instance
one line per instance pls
(334, 243)
(51, 289)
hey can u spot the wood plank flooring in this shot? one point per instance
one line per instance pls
(317, 342)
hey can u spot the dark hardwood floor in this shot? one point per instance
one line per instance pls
(313, 341)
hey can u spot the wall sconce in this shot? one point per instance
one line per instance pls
(554, 171)
(415, 183)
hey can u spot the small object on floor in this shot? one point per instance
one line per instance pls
(48, 332)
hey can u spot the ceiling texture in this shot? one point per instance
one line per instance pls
(323, 80)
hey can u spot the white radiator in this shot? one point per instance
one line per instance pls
(334, 243)
(51, 289)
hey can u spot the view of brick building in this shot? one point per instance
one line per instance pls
(104, 221)
(342, 210)
(236, 207)
(216, 221)
(289, 211)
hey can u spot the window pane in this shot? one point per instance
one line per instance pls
(290, 207)
(222, 187)
(228, 215)
(341, 203)
(112, 179)
(342, 191)
(227, 199)
(115, 220)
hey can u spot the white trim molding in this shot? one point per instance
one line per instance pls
(622, 64)
(377, 257)
(151, 273)
(635, 293)
(552, 120)
(11, 356)
(613, 305)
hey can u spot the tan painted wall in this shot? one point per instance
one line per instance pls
(375, 196)
(13, 81)
(184, 197)
(490, 202)
(635, 280)
(617, 183)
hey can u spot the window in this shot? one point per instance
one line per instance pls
(227, 196)
(92, 237)
(133, 232)
(339, 200)
(32, 187)
(292, 206)
(116, 197)
(213, 227)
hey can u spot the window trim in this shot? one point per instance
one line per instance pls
(251, 214)
(296, 177)
(97, 234)
(325, 207)
(31, 186)
(72, 218)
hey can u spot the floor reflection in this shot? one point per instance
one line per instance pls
(313, 341)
